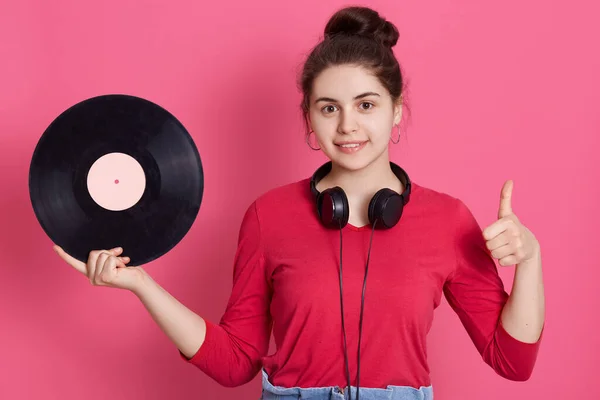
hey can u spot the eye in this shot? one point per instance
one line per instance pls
(328, 109)
(368, 105)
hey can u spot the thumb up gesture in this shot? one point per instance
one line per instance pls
(509, 241)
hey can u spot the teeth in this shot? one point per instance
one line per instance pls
(350, 145)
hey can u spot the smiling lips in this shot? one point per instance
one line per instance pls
(350, 147)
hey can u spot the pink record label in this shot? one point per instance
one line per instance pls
(116, 181)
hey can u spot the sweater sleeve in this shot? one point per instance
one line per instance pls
(232, 351)
(476, 293)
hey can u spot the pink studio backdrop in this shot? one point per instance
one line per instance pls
(497, 91)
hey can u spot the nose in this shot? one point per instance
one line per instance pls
(348, 123)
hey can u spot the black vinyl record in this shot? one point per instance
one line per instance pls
(116, 170)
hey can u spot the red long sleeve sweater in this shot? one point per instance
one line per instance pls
(286, 282)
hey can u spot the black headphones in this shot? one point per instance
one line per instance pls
(385, 207)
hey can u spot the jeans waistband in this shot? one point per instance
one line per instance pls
(271, 392)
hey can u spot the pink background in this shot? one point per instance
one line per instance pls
(497, 91)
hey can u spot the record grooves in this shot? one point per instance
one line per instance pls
(116, 170)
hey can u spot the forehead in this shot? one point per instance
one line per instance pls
(346, 81)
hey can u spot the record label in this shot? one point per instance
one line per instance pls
(116, 181)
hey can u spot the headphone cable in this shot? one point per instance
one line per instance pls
(362, 304)
(343, 324)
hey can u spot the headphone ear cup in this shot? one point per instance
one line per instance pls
(385, 208)
(333, 209)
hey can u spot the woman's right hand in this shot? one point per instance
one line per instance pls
(106, 268)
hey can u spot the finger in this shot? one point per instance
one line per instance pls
(94, 254)
(75, 263)
(496, 228)
(498, 241)
(503, 251)
(91, 262)
(119, 263)
(123, 259)
(116, 250)
(505, 208)
(112, 262)
(100, 264)
(508, 260)
(108, 270)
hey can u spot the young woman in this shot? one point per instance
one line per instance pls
(346, 267)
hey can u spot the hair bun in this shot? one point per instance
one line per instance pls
(362, 21)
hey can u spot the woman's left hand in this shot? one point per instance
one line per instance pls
(509, 241)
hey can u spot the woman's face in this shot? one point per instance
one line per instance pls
(352, 115)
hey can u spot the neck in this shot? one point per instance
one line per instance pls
(361, 185)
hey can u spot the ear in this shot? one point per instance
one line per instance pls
(398, 111)
(308, 122)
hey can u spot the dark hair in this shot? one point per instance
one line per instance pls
(357, 36)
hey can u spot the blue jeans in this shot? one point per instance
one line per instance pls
(271, 392)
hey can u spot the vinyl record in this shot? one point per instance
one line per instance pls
(116, 170)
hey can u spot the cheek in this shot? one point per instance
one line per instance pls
(379, 129)
(380, 122)
(323, 127)
(315, 118)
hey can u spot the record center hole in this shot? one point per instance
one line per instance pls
(116, 181)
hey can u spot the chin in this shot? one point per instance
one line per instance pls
(355, 161)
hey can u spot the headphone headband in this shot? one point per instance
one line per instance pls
(324, 169)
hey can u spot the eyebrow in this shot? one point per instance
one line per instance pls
(360, 96)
